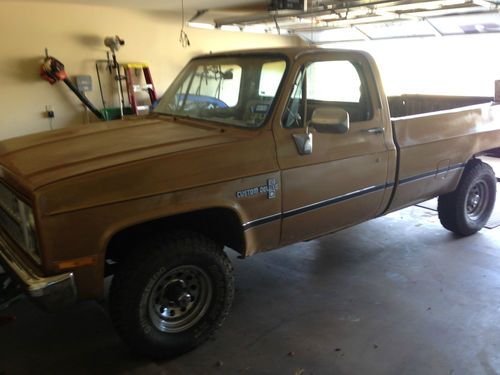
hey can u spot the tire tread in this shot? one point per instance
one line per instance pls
(450, 209)
(138, 265)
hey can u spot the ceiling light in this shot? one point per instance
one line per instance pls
(200, 25)
(230, 28)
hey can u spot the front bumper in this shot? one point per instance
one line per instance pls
(50, 293)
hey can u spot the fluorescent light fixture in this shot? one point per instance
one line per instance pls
(230, 28)
(200, 25)
(397, 29)
(255, 29)
(485, 4)
(333, 35)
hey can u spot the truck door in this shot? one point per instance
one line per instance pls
(340, 180)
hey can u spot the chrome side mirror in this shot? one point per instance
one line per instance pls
(304, 143)
(330, 120)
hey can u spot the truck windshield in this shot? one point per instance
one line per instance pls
(237, 90)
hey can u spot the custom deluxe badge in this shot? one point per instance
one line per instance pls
(271, 189)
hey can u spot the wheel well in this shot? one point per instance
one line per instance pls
(220, 224)
(495, 152)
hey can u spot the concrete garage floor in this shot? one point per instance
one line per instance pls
(397, 295)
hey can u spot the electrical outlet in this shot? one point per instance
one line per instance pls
(49, 110)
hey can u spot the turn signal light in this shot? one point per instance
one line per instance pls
(79, 262)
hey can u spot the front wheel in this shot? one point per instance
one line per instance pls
(467, 209)
(172, 294)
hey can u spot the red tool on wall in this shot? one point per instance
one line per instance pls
(52, 70)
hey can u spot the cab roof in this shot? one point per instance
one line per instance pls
(292, 52)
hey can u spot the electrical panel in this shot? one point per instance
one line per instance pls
(84, 83)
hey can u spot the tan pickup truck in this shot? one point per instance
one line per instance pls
(250, 150)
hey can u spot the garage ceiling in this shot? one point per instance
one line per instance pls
(327, 21)
(167, 5)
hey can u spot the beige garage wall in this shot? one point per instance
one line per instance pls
(74, 34)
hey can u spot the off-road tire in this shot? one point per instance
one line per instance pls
(135, 286)
(466, 210)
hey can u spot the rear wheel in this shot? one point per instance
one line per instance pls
(467, 209)
(172, 294)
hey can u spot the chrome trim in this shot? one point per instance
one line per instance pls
(51, 291)
(262, 220)
(313, 206)
(333, 200)
(354, 194)
(378, 130)
(431, 174)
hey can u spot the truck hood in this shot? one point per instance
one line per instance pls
(43, 158)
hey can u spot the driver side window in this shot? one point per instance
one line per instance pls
(336, 83)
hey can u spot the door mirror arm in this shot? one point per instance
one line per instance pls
(304, 142)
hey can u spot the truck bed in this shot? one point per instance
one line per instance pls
(434, 147)
(407, 105)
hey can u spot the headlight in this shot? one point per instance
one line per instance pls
(18, 221)
(29, 230)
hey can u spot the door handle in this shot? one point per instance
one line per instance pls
(375, 130)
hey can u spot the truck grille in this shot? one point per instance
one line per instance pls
(16, 219)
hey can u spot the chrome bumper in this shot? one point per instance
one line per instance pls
(50, 292)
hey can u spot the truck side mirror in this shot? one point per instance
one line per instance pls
(330, 120)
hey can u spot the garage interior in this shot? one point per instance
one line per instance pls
(395, 295)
